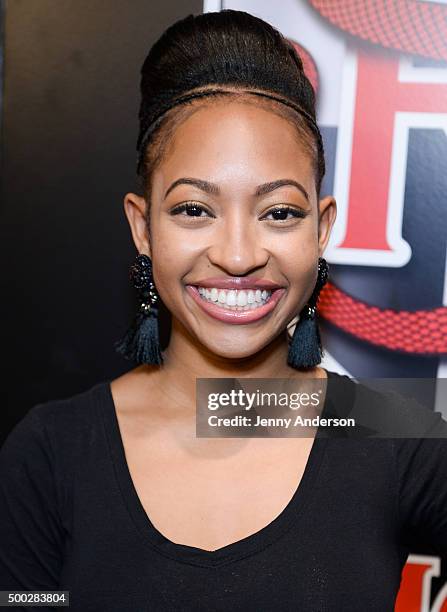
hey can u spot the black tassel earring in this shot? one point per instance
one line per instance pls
(141, 342)
(305, 349)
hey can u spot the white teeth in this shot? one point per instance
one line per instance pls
(231, 298)
(241, 298)
(235, 299)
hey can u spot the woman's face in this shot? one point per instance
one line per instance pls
(251, 226)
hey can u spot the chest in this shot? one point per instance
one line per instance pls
(211, 493)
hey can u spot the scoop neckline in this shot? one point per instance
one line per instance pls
(239, 549)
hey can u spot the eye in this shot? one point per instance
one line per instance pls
(191, 209)
(281, 213)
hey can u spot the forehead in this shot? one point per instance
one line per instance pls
(240, 139)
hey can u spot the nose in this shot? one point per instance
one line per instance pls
(237, 246)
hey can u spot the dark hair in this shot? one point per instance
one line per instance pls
(197, 55)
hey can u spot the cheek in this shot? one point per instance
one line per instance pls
(302, 276)
(296, 256)
(295, 251)
(172, 259)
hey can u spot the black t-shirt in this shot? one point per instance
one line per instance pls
(70, 519)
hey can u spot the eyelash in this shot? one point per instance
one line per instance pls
(301, 214)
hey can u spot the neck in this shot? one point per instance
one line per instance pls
(185, 360)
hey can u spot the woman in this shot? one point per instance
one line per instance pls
(109, 494)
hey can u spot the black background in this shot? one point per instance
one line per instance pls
(70, 101)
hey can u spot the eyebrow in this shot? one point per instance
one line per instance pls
(213, 189)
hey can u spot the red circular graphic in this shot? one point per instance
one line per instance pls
(418, 28)
(421, 331)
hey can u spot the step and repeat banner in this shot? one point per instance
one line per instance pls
(380, 71)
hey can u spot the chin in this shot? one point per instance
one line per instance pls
(242, 349)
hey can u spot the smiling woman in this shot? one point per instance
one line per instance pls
(235, 235)
(116, 499)
(242, 208)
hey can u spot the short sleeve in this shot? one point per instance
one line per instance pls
(31, 535)
(422, 490)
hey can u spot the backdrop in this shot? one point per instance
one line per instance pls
(380, 70)
(69, 75)
(69, 116)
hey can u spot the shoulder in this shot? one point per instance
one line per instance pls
(78, 409)
(415, 440)
(53, 427)
(386, 407)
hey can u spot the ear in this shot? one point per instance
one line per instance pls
(135, 209)
(327, 215)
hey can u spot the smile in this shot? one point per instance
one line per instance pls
(235, 299)
(237, 306)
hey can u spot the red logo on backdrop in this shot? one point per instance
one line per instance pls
(383, 98)
(415, 590)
